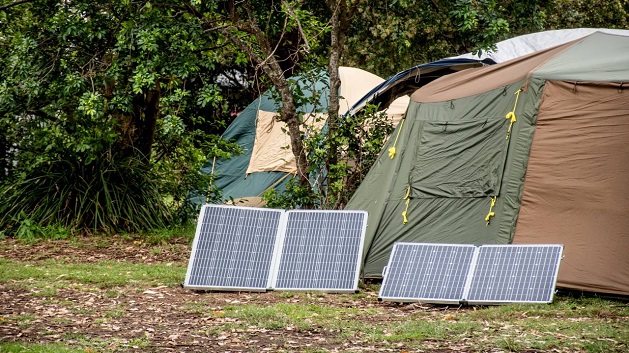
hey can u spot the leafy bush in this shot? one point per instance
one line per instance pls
(30, 231)
(107, 195)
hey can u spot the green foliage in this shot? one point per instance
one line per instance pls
(30, 231)
(109, 108)
(360, 138)
(588, 13)
(390, 36)
(107, 111)
(408, 33)
(106, 196)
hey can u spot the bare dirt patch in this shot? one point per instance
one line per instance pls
(92, 249)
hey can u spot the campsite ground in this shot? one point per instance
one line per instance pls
(118, 295)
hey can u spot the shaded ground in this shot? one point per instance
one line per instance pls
(173, 319)
(91, 249)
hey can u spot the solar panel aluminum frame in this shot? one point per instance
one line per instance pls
(279, 244)
(387, 277)
(197, 237)
(550, 295)
(328, 289)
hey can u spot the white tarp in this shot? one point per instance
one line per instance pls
(529, 43)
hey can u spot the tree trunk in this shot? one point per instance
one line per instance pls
(140, 132)
(342, 15)
(272, 68)
(146, 137)
(336, 47)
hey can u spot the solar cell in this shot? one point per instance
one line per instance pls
(233, 248)
(434, 273)
(485, 274)
(321, 251)
(515, 273)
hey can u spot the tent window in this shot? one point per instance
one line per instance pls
(460, 159)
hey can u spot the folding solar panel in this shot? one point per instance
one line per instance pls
(515, 273)
(434, 273)
(468, 274)
(233, 248)
(255, 249)
(321, 251)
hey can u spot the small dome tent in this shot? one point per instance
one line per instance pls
(267, 162)
(532, 150)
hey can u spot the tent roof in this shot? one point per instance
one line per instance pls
(529, 43)
(407, 81)
(597, 57)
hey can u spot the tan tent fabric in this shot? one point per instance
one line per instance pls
(271, 148)
(397, 109)
(249, 201)
(475, 81)
(355, 84)
(576, 190)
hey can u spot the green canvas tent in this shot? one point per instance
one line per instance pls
(267, 161)
(533, 150)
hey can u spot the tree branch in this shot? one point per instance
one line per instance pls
(299, 27)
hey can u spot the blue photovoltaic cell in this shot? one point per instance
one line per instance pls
(233, 248)
(515, 273)
(427, 272)
(321, 250)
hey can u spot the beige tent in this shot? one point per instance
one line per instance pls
(268, 161)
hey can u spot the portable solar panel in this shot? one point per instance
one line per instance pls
(468, 274)
(233, 248)
(435, 273)
(321, 250)
(255, 249)
(515, 273)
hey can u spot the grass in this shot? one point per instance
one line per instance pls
(163, 236)
(569, 324)
(48, 276)
(38, 348)
(282, 315)
(511, 328)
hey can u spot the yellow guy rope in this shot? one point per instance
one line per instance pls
(511, 114)
(408, 193)
(392, 148)
(491, 213)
